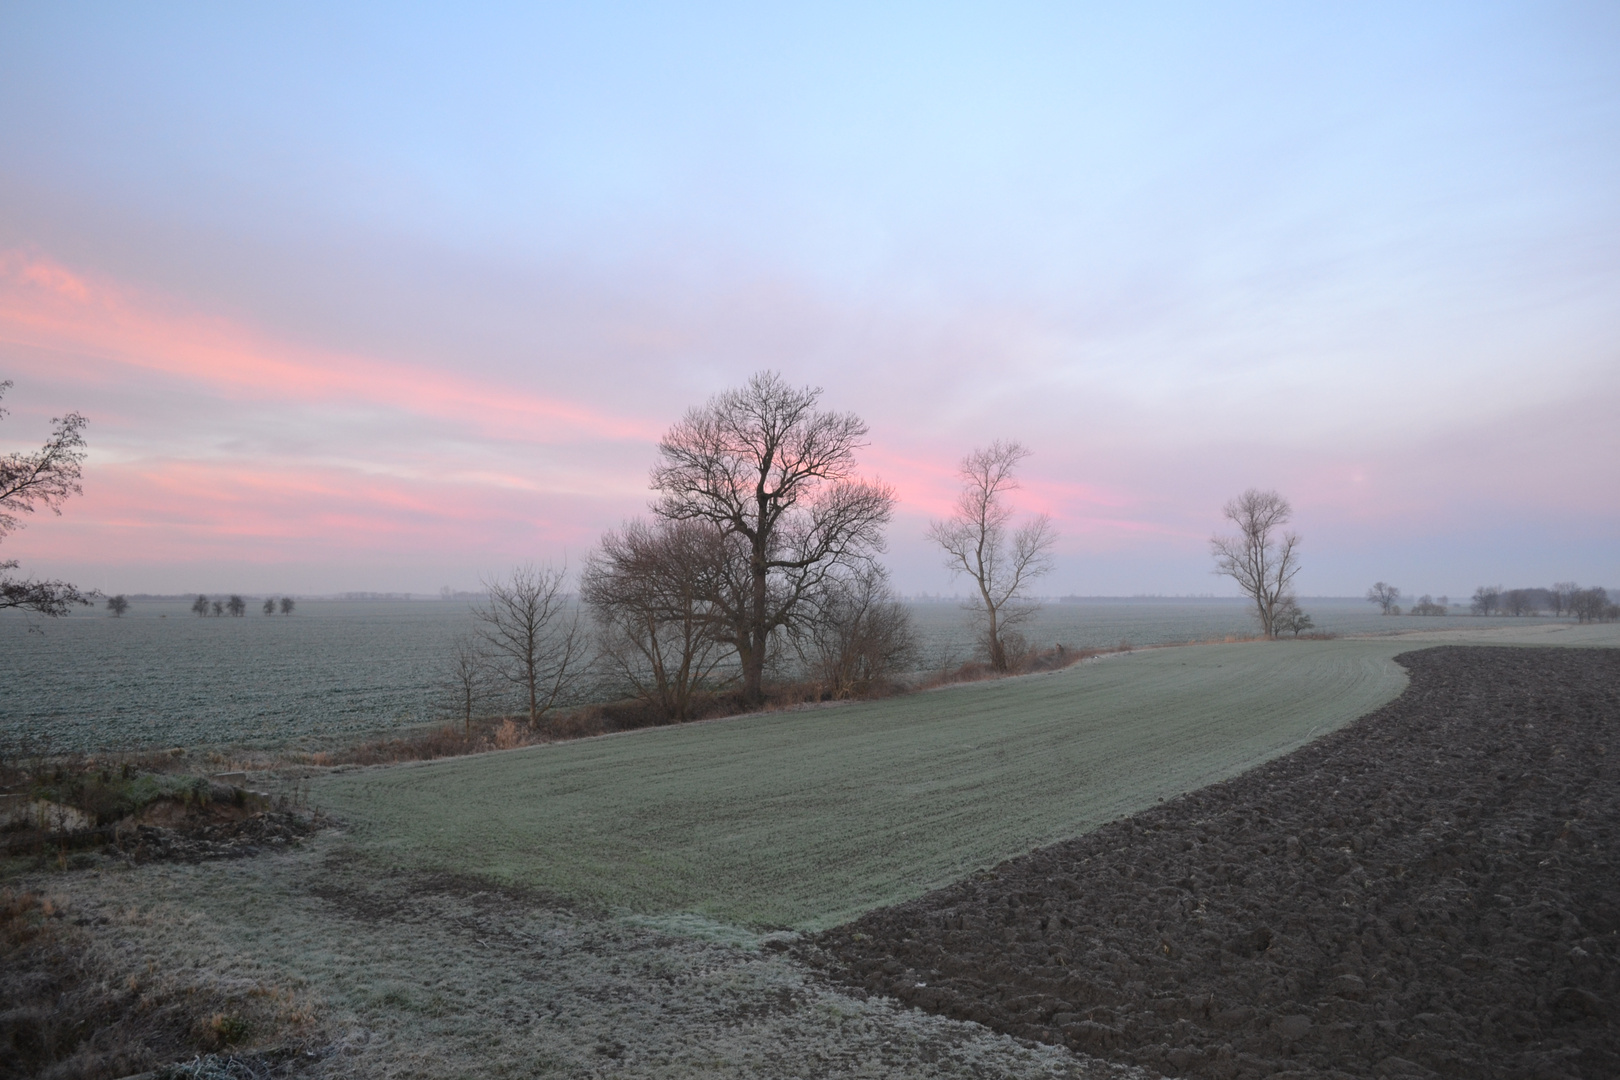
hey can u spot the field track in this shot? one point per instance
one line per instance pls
(807, 819)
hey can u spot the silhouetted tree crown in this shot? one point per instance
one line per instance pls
(777, 476)
(31, 481)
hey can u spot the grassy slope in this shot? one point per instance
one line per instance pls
(806, 819)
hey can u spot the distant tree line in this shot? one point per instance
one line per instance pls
(1566, 599)
(1387, 598)
(235, 606)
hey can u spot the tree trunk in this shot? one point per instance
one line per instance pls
(753, 661)
(534, 704)
(998, 654)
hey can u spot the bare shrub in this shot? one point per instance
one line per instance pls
(1288, 618)
(652, 590)
(532, 635)
(465, 682)
(862, 635)
(1427, 606)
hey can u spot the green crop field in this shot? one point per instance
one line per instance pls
(805, 819)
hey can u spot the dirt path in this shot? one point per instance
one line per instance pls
(1433, 890)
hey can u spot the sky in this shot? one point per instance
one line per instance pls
(395, 297)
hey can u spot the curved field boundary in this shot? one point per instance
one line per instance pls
(807, 819)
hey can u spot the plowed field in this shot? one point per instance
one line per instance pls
(1431, 890)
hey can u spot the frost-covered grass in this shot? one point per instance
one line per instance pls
(410, 975)
(805, 819)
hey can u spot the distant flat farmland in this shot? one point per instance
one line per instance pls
(805, 819)
(342, 670)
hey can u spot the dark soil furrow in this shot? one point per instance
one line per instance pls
(1434, 890)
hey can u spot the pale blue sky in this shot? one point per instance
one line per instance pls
(1368, 255)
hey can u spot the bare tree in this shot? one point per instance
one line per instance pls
(1263, 558)
(236, 606)
(1561, 595)
(199, 606)
(46, 479)
(1591, 605)
(1385, 596)
(218, 607)
(42, 596)
(979, 542)
(1487, 598)
(532, 635)
(118, 605)
(1288, 617)
(763, 465)
(1426, 605)
(269, 605)
(652, 589)
(465, 681)
(287, 605)
(862, 635)
(1518, 602)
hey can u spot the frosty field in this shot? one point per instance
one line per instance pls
(340, 670)
(640, 870)
(807, 818)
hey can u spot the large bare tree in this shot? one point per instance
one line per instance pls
(651, 588)
(44, 479)
(771, 471)
(979, 541)
(1263, 557)
(531, 633)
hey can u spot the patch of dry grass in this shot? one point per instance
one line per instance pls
(76, 1003)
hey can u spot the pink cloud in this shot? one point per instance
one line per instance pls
(44, 306)
(171, 511)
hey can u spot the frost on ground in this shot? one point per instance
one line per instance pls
(436, 975)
